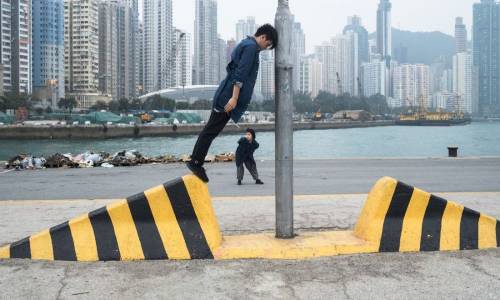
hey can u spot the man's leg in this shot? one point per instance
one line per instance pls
(214, 126)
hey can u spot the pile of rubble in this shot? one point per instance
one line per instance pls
(126, 158)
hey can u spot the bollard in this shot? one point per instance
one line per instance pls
(452, 151)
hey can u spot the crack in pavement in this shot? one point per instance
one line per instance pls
(474, 264)
(62, 282)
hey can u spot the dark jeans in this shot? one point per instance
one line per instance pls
(214, 126)
(251, 167)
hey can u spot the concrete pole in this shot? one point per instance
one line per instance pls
(284, 123)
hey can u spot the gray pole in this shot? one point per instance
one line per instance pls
(284, 123)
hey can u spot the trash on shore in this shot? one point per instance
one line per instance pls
(89, 159)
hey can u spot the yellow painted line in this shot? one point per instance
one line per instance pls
(412, 223)
(305, 246)
(125, 231)
(166, 222)
(450, 227)
(5, 252)
(200, 199)
(487, 232)
(83, 239)
(41, 246)
(371, 221)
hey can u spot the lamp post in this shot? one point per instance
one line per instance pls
(284, 123)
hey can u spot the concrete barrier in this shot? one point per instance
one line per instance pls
(172, 221)
(401, 218)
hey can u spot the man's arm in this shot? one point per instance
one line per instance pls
(242, 72)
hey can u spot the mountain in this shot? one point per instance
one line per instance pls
(422, 47)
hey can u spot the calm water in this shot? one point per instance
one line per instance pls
(477, 139)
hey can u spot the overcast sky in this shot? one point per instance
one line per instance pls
(322, 19)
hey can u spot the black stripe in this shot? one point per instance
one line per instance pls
(393, 223)
(152, 245)
(105, 238)
(62, 242)
(186, 217)
(431, 227)
(21, 249)
(469, 230)
(498, 233)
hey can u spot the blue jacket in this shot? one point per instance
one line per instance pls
(242, 70)
(245, 151)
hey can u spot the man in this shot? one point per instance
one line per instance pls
(234, 93)
(244, 156)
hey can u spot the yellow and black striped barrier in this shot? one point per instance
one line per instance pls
(177, 221)
(172, 221)
(401, 218)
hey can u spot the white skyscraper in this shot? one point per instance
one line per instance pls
(267, 74)
(183, 63)
(15, 52)
(373, 78)
(81, 48)
(311, 76)
(411, 85)
(384, 30)
(464, 86)
(159, 61)
(206, 44)
(325, 53)
(245, 28)
(298, 50)
(223, 59)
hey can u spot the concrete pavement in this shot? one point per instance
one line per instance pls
(311, 177)
(459, 275)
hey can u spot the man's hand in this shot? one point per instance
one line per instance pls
(231, 105)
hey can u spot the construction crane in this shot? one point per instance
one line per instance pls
(339, 85)
(360, 89)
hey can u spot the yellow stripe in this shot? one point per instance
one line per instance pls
(371, 221)
(450, 227)
(125, 231)
(166, 222)
(5, 252)
(413, 220)
(487, 232)
(84, 239)
(202, 204)
(41, 246)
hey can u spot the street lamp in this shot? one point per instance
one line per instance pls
(284, 123)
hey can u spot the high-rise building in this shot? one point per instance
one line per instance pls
(267, 75)
(311, 76)
(298, 51)
(48, 51)
(373, 78)
(159, 60)
(325, 53)
(354, 25)
(411, 85)
(486, 44)
(384, 30)
(460, 35)
(183, 63)
(139, 64)
(206, 44)
(464, 82)
(81, 48)
(245, 28)
(223, 59)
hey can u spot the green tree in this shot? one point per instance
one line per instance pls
(182, 105)
(201, 105)
(159, 103)
(123, 105)
(303, 103)
(14, 101)
(100, 105)
(136, 104)
(68, 103)
(114, 106)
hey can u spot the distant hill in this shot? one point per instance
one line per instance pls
(423, 47)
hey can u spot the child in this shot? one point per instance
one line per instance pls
(234, 93)
(244, 155)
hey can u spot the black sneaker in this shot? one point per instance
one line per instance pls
(239, 182)
(258, 181)
(199, 171)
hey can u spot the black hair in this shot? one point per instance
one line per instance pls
(252, 132)
(270, 32)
